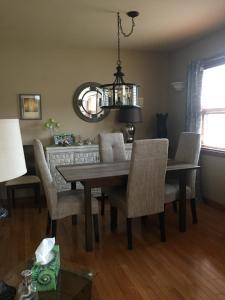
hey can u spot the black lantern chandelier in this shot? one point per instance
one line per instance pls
(120, 94)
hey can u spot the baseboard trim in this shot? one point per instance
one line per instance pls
(214, 204)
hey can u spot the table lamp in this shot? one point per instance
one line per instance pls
(12, 161)
(130, 115)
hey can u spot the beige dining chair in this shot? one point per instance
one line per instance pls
(145, 190)
(30, 181)
(188, 151)
(23, 182)
(111, 149)
(61, 204)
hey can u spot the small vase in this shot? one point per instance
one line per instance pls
(27, 288)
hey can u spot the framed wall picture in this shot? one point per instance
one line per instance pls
(30, 106)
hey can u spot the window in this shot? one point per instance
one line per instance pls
(213, 107)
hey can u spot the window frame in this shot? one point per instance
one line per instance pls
(208, 64)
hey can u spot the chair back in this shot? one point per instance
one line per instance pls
(111, 147)
(188, 151)
(46, 177)
(146, 180)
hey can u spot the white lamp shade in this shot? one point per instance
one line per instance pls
(12, 161)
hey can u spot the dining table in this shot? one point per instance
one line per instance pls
(98, 175)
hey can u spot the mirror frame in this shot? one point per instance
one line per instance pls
(77, 103)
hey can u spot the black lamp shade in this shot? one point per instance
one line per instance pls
(130, 115)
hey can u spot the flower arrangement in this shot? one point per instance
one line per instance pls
(51, 124)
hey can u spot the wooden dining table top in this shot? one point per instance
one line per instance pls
(79, 172)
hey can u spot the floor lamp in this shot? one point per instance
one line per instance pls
(12, 161)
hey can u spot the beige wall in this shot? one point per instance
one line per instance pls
(213, 168)
(56, 73)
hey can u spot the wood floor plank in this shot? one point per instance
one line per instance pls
(189, 266)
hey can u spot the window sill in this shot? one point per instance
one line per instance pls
(213, 151)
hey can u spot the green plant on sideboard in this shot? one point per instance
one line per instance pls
(51, 124)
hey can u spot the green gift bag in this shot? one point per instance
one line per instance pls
(45, 276)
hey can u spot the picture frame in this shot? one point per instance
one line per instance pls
(30, 106)
(64, 139)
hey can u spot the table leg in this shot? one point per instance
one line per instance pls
(74, 217)
(73, 185)
(88, 218)
(182, 202)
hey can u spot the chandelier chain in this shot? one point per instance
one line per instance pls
(121, 28)
(118, 36)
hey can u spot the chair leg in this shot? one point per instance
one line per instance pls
(96, 227)
(129, 234)
(162, 226)
(175, 206)
(53, 228)
(13, 197)
(103, 198)
(144, 220)
(102, 205)
(38, 196)
(9, 204)
(74, 219)
(113, 213)
(48, 224)
(194, 212)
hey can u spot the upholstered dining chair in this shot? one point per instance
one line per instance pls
(61, 204)
(188, 151)
(145, 190)
(30, 181)
(23, 182)
(111, 149)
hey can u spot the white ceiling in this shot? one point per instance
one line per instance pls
(162, 24)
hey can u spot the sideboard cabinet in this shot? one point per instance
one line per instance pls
(85, 154)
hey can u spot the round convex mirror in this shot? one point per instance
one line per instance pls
(86, 100)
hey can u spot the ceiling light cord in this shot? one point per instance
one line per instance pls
(120, 30)
(118, 39)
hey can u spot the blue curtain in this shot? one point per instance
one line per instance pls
(193, 106)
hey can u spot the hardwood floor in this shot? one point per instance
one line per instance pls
(188, 266)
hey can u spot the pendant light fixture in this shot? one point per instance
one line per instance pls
(120, 94)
